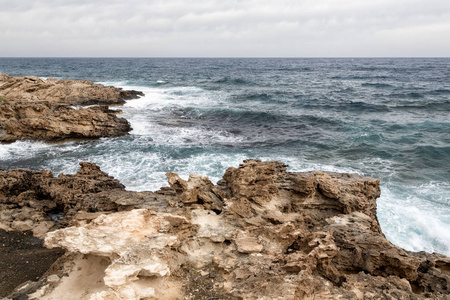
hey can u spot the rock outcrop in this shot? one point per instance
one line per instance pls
(41, 109)
(260, 233)
(49, 122)
(37, 201)
(72, 92)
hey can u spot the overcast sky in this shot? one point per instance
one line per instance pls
(225, 28)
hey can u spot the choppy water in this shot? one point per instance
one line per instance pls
(385, 118)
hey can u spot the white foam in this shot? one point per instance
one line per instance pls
(146, 172)
(301, 164)
(78, 107)
(115, 83)
(416, 219)
(21, 150)
(159, 98)
(413, 223)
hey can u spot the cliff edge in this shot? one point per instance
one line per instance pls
(259, 233)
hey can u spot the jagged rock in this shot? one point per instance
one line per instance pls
(40, 109)
(28, 198)
(72, 92)
(277, 235)
(198, 189)
(48, 122)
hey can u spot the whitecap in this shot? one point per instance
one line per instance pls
(22, 149)
(412, 222)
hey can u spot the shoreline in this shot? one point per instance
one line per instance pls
(320, 228)
(314, 234)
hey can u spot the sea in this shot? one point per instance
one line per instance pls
(388, 118)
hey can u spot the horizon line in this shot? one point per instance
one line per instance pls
(229, 57)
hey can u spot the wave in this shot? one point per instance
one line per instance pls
(233, 81)
(412, 223)
(440, 106)
(360, 77)
(410, 95)
(377, 85)
(440, 92)
(255, 96)
(266, 118)
(375, 68)
(259, 97)
(357, 107)
(295, 69)
(419, 127)
(433, 155)
(21, 149)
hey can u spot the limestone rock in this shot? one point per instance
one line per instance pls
(277, 235)
(198, 189)
(40, 109)
(49, 122)
(28, 199)
(72, 92)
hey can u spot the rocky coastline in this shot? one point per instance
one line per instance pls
(259, 233)
(33, 108)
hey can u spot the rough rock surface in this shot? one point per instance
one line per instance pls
(72, 92)
(38, 201)
(260, 233)
(50, 122)
(41, 109)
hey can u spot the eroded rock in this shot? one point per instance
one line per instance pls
(72, 92)
(277, 235)
(39, 201)
(41, 109)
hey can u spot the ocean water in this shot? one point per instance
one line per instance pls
(384, 118)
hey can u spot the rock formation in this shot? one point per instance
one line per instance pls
(260, 233)
(41, 109)
(72, 92)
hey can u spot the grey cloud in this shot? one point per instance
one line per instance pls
(225, 28)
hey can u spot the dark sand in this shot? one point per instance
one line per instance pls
(23, 258)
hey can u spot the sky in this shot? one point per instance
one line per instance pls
(225, 28)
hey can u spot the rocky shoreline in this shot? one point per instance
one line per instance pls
(259, 233)
(32, 108)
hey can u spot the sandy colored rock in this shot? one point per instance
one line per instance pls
(39, 201)
(277, 235)
(198, 189)
(49, 122)
(72, 92)
(33, 108)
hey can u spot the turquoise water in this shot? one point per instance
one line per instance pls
(385, 118)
